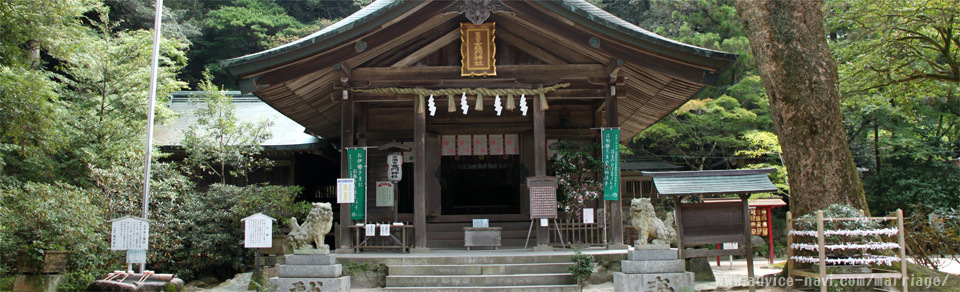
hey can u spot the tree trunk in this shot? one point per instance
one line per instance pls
(800, 77)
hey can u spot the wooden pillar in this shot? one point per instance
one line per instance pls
(748, 244)
(346, 139)
(540, 160)
(616, 216)
(419, 176)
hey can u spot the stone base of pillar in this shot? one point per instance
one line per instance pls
(543, 248)
(420, 250)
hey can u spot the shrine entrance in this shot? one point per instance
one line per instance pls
(481, 185)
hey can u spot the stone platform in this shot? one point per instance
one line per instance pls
(656, 269)
(310, 272)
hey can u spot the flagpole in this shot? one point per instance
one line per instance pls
(150, 108)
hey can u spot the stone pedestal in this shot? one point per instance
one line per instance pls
(310, 272)
(653, 269)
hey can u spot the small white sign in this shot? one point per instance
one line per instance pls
(345, 191)
(587, 215)
(136, 256)
(384, 229)
(258, 231)
(544, 222)
(129, 232)
(731, 245)
(370, 229)
(395, 166)
(384, 194)
(481, 222)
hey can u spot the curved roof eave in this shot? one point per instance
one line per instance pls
(643, 37)
(364, 20)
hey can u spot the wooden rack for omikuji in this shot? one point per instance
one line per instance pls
(836, 242)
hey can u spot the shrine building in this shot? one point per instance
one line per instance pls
(477, 89)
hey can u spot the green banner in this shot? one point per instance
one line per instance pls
(611, 159)
(357, 170)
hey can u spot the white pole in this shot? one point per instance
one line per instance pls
(150, 108)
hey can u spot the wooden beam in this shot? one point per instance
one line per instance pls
(540, 160)
(346, 140)
(519, 72)
(509, 128)
(428, 49)
(529, 48)
(419, 176)
(616, 212)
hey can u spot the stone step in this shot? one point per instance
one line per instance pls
(493, 269)
(493, 258)
(479, 280)
(531, 288)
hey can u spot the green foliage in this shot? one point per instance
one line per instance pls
(583, 266)
(34, 219)
(219, 142)
(576, 168)
(211, 232)
(933, 235)
(931, 184)
(837, 211)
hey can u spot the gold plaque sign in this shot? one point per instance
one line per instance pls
(478, 50)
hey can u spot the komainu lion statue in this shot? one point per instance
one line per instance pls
(645, 221)
(313, 229)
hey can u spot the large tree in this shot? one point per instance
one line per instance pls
(799, 73)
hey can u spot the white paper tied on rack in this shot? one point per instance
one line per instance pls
(885, 260)
(847, 246)
(370, 229)
(843, 232)
(384, 229)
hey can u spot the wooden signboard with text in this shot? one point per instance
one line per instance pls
(543, 197)
(478, 50)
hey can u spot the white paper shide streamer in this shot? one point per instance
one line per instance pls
(463, 103)
(523, 104)
(432, 106)
(496, 105)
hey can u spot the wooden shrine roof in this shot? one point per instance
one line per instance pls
(393, 43)
(712, 181)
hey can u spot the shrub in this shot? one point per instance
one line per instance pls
(933, 184)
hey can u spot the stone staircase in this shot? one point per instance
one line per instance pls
(481, 273)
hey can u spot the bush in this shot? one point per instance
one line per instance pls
(211, 235)
(583, 266)
(933, 184)
(36, 217)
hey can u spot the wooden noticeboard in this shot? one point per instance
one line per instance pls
(543, 197)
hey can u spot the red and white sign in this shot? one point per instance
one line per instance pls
(511, 144)
(496, 144)
(448, 145)
(464, 145)
(480, 145)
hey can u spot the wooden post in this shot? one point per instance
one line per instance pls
(790, 282)
(679, 220)
(744, 202)
(346, 139)
(769, 211)
(616, 212)
(419, 177)
(821, 253)
(903, 253)
(540, 160)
